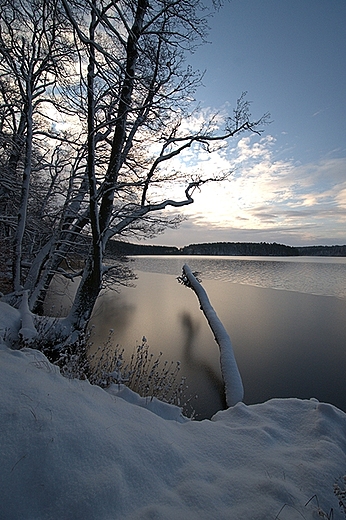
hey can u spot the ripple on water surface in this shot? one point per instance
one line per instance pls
(325, 276)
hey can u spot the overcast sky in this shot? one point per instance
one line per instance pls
(289, 185)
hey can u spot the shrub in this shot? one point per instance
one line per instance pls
(144, 373)
(340, 493)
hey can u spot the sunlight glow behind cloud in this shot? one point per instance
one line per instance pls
(275, 197)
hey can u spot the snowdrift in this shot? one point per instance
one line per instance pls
(71, 451)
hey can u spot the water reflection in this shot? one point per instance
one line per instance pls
(168, 315)
(311, 275)
(190, 328)
(112, 308)
(199, 369)
(287, 344)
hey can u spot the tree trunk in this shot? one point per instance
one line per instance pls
(91, 283)
(22, 213)
(116, 156)
(85, 299)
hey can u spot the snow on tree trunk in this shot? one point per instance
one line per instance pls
(23, 206)
(232, 380)
(28, 330)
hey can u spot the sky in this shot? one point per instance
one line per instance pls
(289, 184)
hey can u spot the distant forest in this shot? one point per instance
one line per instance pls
(116, 248)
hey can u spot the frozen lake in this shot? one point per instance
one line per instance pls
(285, 317)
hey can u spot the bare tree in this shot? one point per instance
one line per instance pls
(152, 91)
(128, 112)
(33, 51)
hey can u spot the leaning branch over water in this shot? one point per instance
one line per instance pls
(230, 374)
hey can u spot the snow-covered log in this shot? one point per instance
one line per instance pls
(232, 380)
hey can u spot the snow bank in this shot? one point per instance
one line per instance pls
(10, 322)
(164, 410)
(71, 451)
(15, 324)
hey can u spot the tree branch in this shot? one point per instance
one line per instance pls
(230, 374)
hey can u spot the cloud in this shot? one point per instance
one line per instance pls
(267, 196)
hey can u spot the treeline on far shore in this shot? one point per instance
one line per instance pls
(116, 248)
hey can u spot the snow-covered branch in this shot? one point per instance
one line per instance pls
(138, 212)
(232, 380)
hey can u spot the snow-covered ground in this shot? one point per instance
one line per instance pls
(71, 451)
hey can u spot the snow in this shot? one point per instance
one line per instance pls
(28, 331)
(70, 450)
(16, 323)
(10, 322)
(230, 374)
(164, 410)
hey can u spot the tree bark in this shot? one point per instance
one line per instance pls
(23, 207)
(90, 285)
(116, 156)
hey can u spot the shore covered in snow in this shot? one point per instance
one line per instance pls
(70, 450)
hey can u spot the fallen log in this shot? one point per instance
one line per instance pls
(229, 369)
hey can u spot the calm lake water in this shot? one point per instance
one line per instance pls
(285, 318)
